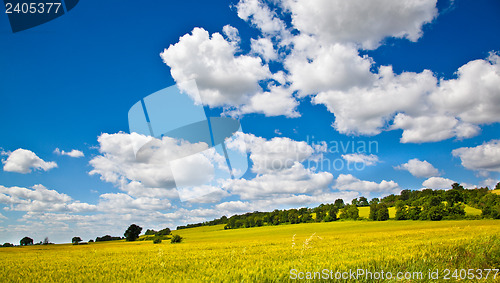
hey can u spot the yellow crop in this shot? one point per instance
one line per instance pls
(263, 254)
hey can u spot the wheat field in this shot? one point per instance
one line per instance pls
(264, 254)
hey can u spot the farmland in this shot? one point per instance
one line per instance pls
(266, 253)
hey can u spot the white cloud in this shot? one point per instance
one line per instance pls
(315, 67)
(222, 78)
(73, 153)
(347, 182)
(231, 33)
(285, 201)
(264, 48)
(261, 16)
(367, 110)
(432, 128)
(458, 106)
(474, 96)
(362, 22)
(485, 157)
(149, 173)
(293, 180)
(277, 101)
(419, 168)
(367, 160)
(490, 182)
(24, 161)
(438, 183)
(39, 198)
(123, 203)
(271, 155)
(280, 170)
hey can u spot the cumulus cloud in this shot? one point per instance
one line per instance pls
(73, 153)
(285, 201)
(231, 33)
(264, 48)
(457, 107)
(123, 203)
(419, 168)
(347, 182)
(367, 160)
(321, 59)
(261, 16)
(281, 173)
(222, 78)
(293, 180)
(149, 171)
(474, 96)
(24, 161)
(485, 157)
(277, 101)
(361, 22)
(39, 198)
(438, 183)
(272, 155)
(315, 67)
(368, 110)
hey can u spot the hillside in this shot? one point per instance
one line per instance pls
(264, 254)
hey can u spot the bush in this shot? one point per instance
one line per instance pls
(176, 239)
(157, 240)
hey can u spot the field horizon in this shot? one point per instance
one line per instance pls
(267, 253)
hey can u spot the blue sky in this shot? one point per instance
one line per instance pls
(70, 81)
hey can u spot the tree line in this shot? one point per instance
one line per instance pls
(131, 234)
(424, 204)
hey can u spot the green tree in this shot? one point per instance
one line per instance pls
(26, 241)
(349, 211)
(401, 211)
(363, 201)
(176, 239)
(414, 212)
(374, 201)
(132, 233)
(293, 217)
(453, 196)
(373, 210)
(76, 240)
(339, 203)
(163, 232)
(382, 212)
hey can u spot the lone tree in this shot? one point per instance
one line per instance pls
(26, 241)
(132, 233)
(76, 240)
